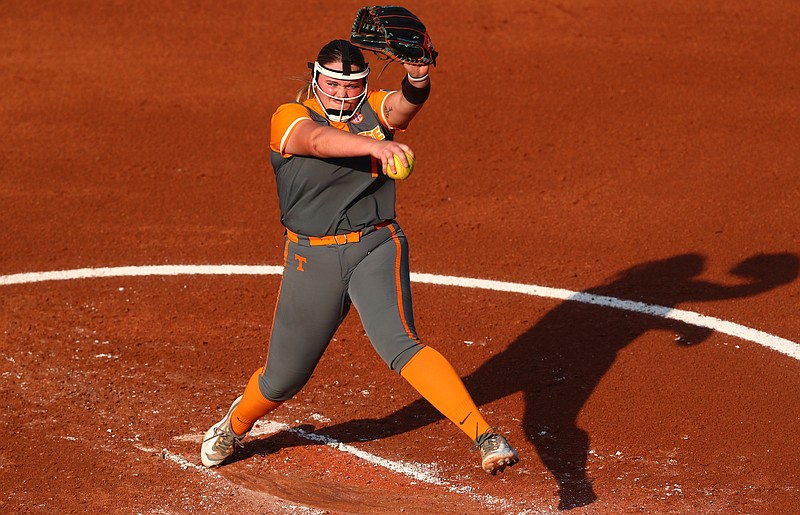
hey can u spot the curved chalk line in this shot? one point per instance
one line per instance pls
(419, 472)
(776, 343)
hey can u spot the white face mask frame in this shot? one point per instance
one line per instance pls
(342, 115)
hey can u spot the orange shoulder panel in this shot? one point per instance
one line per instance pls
(283, 122)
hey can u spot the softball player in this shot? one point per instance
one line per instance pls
(342, 246)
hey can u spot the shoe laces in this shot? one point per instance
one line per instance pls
(488, 442)
(227, 438)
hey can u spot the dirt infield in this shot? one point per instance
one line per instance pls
(624, 173)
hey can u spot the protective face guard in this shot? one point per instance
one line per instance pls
(341, 114)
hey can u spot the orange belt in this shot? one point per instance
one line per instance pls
(337, 239)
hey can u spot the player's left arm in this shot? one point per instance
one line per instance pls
(402, 106)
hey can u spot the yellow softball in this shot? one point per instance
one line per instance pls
(399, 172)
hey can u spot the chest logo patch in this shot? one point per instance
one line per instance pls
(375, 133)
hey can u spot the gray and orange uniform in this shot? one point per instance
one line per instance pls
(342, 247)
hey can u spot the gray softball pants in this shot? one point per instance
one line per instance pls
(318, 286)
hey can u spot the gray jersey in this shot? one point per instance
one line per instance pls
(320, 197)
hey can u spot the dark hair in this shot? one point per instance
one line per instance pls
(341, 51)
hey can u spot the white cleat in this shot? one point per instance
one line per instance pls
(220, 440)
(496, 452)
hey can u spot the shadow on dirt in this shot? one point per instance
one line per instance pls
(559, 361)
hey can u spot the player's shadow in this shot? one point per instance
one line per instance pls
(559, 361)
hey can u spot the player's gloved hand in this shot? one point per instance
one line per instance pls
(394, 32)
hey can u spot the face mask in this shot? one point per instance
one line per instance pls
(341, 114)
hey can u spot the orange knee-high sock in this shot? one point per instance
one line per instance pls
(252, 407)
(435, 379)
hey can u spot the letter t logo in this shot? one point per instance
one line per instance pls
(300, 261)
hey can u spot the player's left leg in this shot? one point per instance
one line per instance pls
(432, 375)
(380, 288)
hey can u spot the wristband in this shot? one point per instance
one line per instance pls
(414, 95)
(417, 79)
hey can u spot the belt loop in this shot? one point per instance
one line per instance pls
(292, 236)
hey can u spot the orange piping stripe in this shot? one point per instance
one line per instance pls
(398, 284)
(280, 286)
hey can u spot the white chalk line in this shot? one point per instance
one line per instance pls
(423, 473)
(782, 345)
(419, 472)
(770, 341)
(186, 464)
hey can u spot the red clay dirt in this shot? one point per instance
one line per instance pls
(636, 150)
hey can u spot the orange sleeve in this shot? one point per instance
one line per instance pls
(283, 123)
(376, 100)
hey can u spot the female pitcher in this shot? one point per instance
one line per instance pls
(330, 152)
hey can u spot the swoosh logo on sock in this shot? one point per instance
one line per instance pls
(465, 419)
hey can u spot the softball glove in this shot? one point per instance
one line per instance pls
(395, 32)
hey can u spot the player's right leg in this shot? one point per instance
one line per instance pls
(311, 305)
(223, 437)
